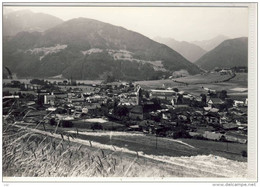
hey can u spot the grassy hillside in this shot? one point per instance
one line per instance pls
(230, 53)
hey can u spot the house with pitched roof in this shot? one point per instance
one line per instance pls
(214, 102)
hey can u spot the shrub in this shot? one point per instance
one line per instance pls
(52, 121)
(96, 126)
(66, 123)
(244, 153)
(181, 134)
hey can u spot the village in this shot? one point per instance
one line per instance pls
(124, 106)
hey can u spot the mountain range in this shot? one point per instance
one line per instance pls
(41, 45)
(230, 53)
(190, 51)
(89, 49)
(210, 44)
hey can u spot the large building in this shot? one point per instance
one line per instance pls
(163, 94)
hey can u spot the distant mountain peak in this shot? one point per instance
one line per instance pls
(211, 43)
(26, 20)
(190, 51)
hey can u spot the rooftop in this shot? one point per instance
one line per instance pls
(163, 91)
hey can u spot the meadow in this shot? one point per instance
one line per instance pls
(236, 87)
(203, 78)
(30, 151)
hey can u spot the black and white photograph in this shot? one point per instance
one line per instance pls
(129, 90)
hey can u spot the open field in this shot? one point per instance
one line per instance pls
(203, 78)
(27, 81)
(37, 155)
(235, 86)
(166, 146)
(146, 143)
(158, 84)
(41, 153)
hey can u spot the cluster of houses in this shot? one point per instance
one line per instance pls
(236, 69)
(165, 112)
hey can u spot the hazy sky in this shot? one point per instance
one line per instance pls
(180, 23)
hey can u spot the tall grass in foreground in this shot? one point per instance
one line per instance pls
(29, 154)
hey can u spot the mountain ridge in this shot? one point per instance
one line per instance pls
(94, 49)
(230, 53)
(190, 51)
(210, 44)
(26, 20)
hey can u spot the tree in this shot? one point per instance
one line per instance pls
(16, 83)
(244, 153)
(229, 102)
(66, 123)
(157, 103)
(52, 121)
(223, 94)
(203, 98)
(37, 81)
(96, 126)
(146, 93)
(108, 77)
(121, 111)
(179, 99)
(115, 103)
(65, 82)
